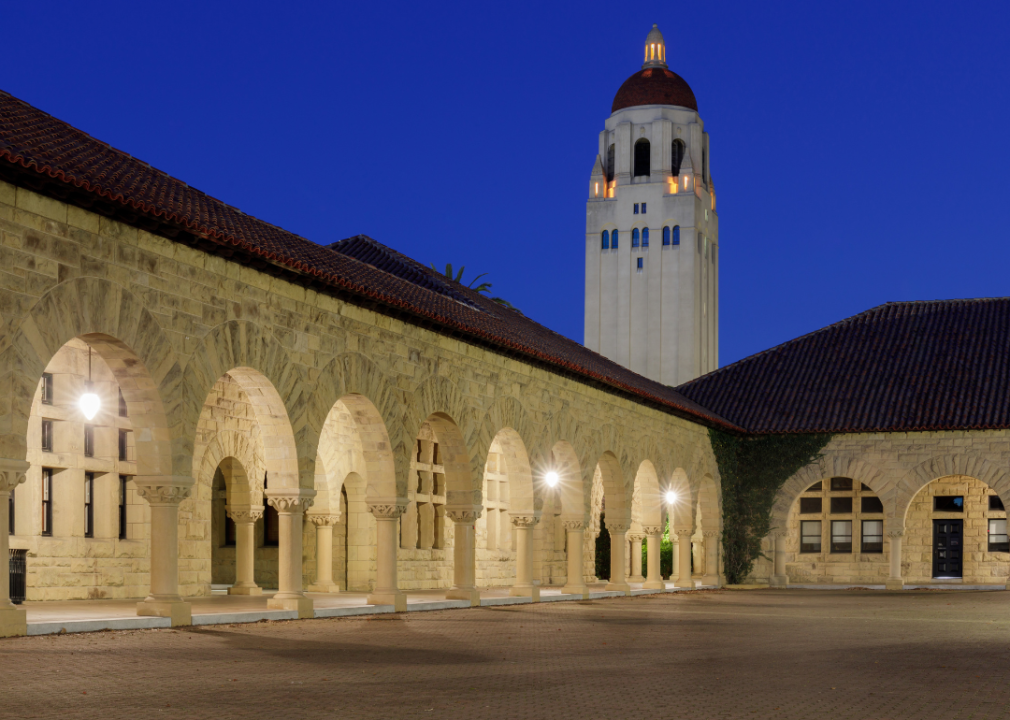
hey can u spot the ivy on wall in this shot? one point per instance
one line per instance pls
(753, 469)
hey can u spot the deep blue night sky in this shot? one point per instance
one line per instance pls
(859, 150)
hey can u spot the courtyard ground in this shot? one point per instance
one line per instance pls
(708, 654)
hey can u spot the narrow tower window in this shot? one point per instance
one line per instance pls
(605, 240)
(666, 235)
(610, 163)
(634, 238)
(678, 157)
(676, 234)
(641, 264)
(643, 157)
(645, 237)
(47, 388)
(613, 240)
(47, 501)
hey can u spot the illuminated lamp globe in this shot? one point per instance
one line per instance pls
(89, 404)
(671, 497)
(552, 479)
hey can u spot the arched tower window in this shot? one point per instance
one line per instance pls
(676, 234)
(677, 159)
(645, 237)
(610, 162)
(643, 156)
(605, 240)
(634, 238)
(666, 235)
(613, 240)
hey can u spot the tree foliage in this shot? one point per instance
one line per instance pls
(753, 470)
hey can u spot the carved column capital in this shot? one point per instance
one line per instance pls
(386, 510)
(683, 532)
(617, 528)
(463, 516)
(635, 537)
(245, 513)
(293, 500)
(711, 533)
(574, 525)
(652, 530)
(525, 521)
(164, 489)
(12, 473)
(324, 520)
(895, 533)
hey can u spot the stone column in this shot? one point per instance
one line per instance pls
(524, 586)
(291, 504)
(779, 577)
(245, 517)
(13, 619)
(464, 555)
(635, 575)
(617, 550)
(654, 581)
(387, 590)
(576, 583)
(324, 554)
(164, 493)
(895, 581)
(711, 576)
(684, 580)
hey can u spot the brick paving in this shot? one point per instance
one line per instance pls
(719, 654)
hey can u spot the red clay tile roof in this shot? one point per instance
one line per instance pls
(51, 157)
(903, 366)
(654, 86)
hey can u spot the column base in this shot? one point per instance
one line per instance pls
(895, 584)
(397, 599)
(654, 585)
(580, 590)
(618, 587)
(324, 588)
(684, 584)
(530, 591)
(300, 603)
(180, 612)
(471, 595)
(245, 590)
(778, 581)
(710, 580)
(636, 579)
(13, 621)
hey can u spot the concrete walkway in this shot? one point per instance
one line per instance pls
(46, 618)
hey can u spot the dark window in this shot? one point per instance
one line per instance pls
(47, 435)
(634, 238)
(995, 503)
(816, 487)
(47, 501)
(873, 536)
(948, 503)
(641, 263)
(10, 513)
(841, 505)
(271, 521)
(810, 506)
(89, 441)
(676, 234)
(643, 157)
(810, 536)
(666, 235)
(610, 163)
(418, 458)
(841, 536)
(677, 158)
(89, 505)
(123, 444)
(613, 240)
(841, 484)
(645, 236)
(605, 240)
(636, 208)
(997, 536)
(865, 488)
(871, 504)
(47, 388)
(123, 412)
(704, 164)
(122, 506)
(229, 530)
(644, 208)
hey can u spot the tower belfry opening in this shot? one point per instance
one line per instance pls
(653, 309)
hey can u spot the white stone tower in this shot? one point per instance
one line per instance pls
(652, 295)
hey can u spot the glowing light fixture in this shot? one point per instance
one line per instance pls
(89, 403)
(552, 479)
(671, 497)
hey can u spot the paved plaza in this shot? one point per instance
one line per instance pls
(706, 654)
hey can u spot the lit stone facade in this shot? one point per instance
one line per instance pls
(652, 297)
(246, 394)
(905, 471)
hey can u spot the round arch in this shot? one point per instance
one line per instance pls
(646, 506)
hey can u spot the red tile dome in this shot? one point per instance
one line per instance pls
(654, 86)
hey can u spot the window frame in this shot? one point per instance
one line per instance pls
(810, 501)
(840, 501)
(89, 504)
(636, 209)
(807, 548)
(872, 498)
(675, 236)
(124, 449)
(47, 502)
(635, 237)
(47, 388)
(642, 158)
(613, 239)
(953, 498)
(124, 411)
(996, 503)
(666, 236)
(89, 441)
(645, 237)
(47, 435)
(839, 548)
(641, 264)
(842, 484)
(1001, 545)
(876, 547)
(605, 240)
(123, 479)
